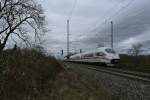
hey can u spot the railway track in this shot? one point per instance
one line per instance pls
(138, 76)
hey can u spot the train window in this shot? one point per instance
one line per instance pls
(77, 57)
(100, 54)
(88, 55)
(110, 51)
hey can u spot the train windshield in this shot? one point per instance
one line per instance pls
(110, 51)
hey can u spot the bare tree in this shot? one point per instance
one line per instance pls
(135, 49)
(20, 18)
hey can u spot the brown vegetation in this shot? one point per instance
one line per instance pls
(138, 63)
(26, 74)
(29, 74)
(72, 86)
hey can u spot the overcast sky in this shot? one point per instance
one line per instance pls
(90, 23)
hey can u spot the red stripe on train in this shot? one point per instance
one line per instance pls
(94, 58)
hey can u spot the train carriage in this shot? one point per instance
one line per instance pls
(103, 55)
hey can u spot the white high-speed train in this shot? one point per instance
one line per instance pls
(104, 55)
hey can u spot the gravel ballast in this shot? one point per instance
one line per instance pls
(121, 88)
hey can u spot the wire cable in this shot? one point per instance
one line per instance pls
(72, 10)
(109, 18)
(116, 13)
(105, 20)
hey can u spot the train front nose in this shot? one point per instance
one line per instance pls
(116, 59)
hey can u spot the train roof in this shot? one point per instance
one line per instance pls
(90, 51)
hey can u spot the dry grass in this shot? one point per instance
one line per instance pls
(70, 86)
(28, 74)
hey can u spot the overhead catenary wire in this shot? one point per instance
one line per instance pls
(140, 11)
(121, 9)
(96, 22)
(114, 15)
(109, 18)
(72, 10)
(75, 3)
(117, 13)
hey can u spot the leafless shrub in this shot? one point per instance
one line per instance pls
(135, 50)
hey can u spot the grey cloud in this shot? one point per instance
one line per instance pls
(131, 23)
(85, 24)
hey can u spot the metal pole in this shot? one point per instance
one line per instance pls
(62, 52)
(67, 39)
(80, 50)
(112, 33)
(0, 6)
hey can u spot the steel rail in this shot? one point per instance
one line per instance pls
(122, 74)
(139, 76)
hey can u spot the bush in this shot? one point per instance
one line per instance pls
(26, 74)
